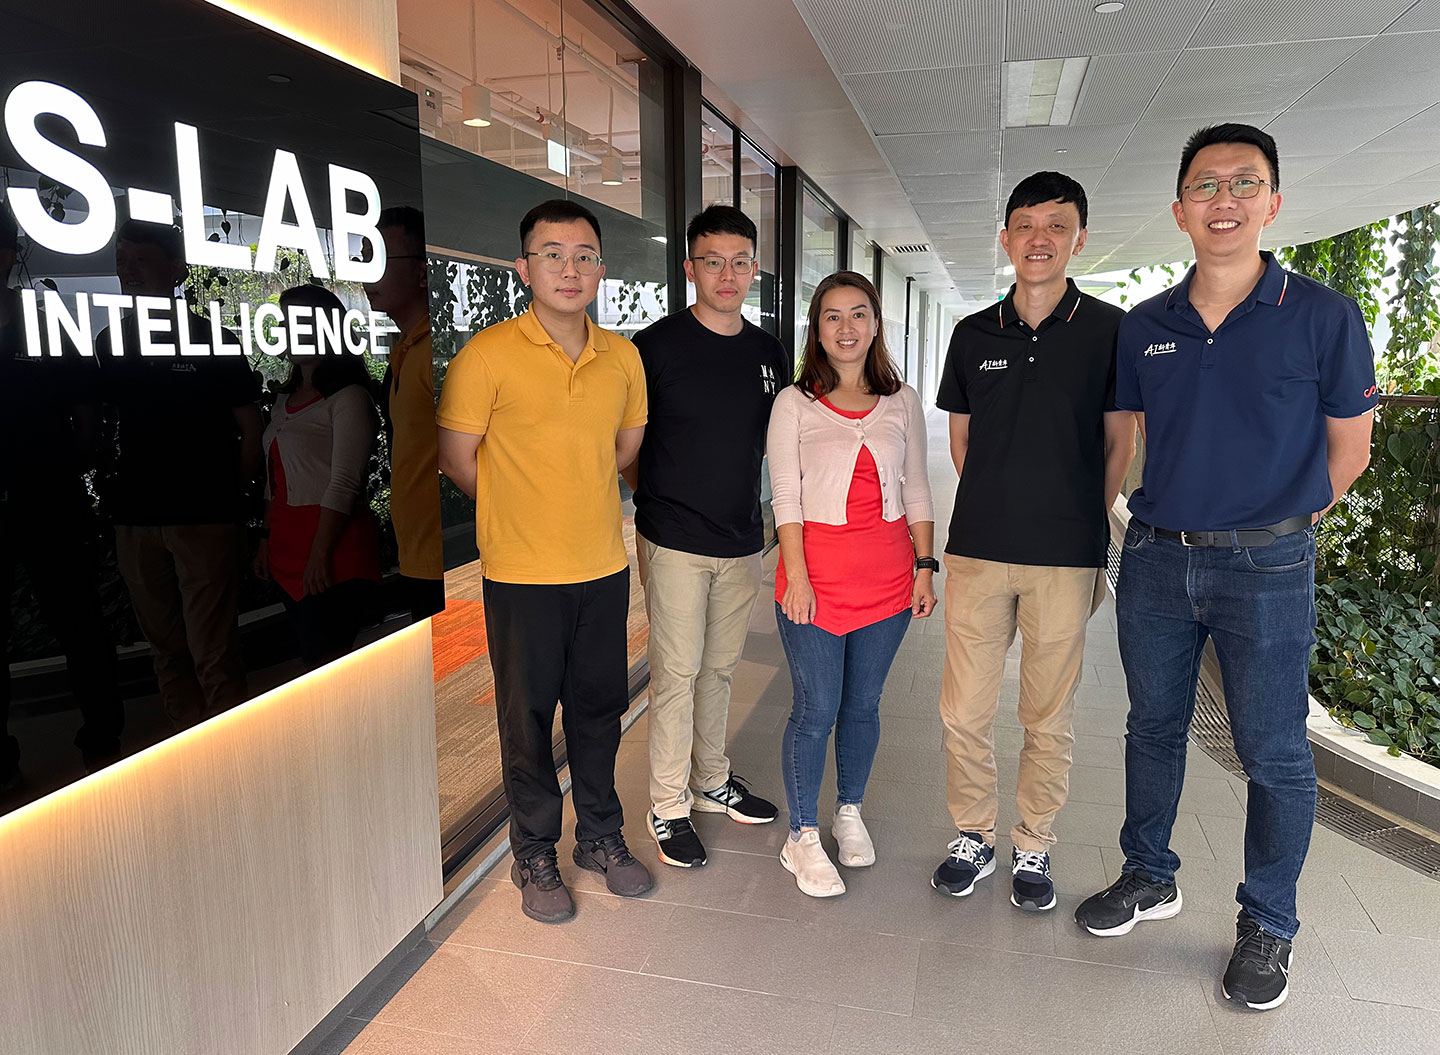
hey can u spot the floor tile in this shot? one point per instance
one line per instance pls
(871, 1033)
(1407, 904)
(799, 960)
(1317, 1024)
(382, 1039)
(1384, 968)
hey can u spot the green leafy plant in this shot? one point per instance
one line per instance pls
(1409, 361)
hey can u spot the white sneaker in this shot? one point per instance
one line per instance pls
(856, 849)
(807, 860)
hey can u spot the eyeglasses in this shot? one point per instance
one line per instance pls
(1245, 185)
(554, 261)
(714, 265)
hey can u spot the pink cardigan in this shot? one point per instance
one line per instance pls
(812, 452)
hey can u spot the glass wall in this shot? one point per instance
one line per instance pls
(717, 159)
(819, 255)
(862, 253)
(759, 200)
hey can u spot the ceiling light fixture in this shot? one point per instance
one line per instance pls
(557, 158)
(475, 106)
(1042, 91)
(1108, 9)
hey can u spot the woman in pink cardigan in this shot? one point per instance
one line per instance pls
(857, 531)
(320, 543)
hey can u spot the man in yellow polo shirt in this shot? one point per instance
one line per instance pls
(537, 416)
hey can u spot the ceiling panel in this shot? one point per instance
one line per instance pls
(1424, 15)
(962, 212)
(1157, 142)
(962, 99)
(1266, 21)
(1387, 71)
(1047, 29)
(1328, 132)
(979, 186)
(941, 155)
(866, 36)
(1118, 88)
(1211, 84)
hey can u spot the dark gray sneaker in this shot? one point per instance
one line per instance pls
(611, 858)
(1258, 975)
(1131, 898)
(543, 895)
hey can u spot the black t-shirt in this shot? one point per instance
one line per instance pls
(710, 399)
(1033, 487)
(176, 444)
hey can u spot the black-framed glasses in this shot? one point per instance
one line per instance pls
(552, 260)
(1245, 185)
(714, 265)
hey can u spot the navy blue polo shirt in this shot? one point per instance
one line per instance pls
(1235, 419)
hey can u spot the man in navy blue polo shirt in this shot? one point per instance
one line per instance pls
(1254, 389)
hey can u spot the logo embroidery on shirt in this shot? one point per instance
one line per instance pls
(1370, 392)
(995, 364)
(1164, 348)
(767, 379)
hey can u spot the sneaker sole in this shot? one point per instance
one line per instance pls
(1164, 910)
(989, 869)
(1029, 905)
(670, 860)
(704, 805)
(1269, 1004)
(800, 883)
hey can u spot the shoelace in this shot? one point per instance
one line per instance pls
(967, 849)
(544, 871)
(1257, 948)
(733, 788)
(615, 849)
(678, 826)
(1030, 861)
(1128, 885)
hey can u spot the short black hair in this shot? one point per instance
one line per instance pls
(557, 210)
(1040, 187)
(166, 236)
(1230, 132)
(410, 220)
(720, 219)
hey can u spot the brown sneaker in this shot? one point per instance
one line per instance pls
(542, 892)
(611, 858)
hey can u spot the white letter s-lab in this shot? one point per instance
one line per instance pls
(27, 102)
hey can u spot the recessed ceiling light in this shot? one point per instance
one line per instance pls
(1062, 150)
(1108, 9)
(278, 78)
(658, 238)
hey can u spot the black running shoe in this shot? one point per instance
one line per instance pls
(1259, 971)
(1131, 898)
(735, 799)
(1031, 889)
(679, 845)
(971, 859)
(611, 858)
(543, 895)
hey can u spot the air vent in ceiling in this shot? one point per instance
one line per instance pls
(914, 247)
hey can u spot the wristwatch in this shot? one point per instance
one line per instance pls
(927, 562)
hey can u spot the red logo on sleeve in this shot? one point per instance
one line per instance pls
(1371, 391)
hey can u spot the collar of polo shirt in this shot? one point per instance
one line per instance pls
(534, 331)
(1064, 310)
(1269, 290)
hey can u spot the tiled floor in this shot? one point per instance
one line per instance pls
(732, 958)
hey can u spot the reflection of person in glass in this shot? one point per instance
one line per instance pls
(47, 424)
(187, 445)
(537, 415)
(857, 530)
(319, 543)
(408, 404)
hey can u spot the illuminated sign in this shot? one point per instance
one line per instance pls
(332, 332)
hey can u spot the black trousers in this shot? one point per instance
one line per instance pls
(326, 624)
(566, 644)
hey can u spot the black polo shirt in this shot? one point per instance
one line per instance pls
(1034, 482)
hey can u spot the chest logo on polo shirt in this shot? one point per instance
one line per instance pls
(767, 379)
(1163, 348)
(995, 364)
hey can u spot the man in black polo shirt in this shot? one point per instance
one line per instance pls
(1255, 390)
(711, 377)
(1041, 452)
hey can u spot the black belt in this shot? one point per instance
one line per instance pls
(1262, 536)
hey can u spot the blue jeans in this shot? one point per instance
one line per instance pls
(1258, 605)
(837, 682)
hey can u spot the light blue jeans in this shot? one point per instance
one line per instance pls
(837, 681)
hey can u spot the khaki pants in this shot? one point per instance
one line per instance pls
(699, 610)
(184, 583)
(984, 603)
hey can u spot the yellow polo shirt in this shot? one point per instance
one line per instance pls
(547, 502)
(414, 460)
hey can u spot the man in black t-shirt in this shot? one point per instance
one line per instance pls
(1041, 452)
(186, 448)
(711, 377)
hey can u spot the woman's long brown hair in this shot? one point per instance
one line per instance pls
(817, 377)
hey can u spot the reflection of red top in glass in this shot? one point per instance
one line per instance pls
(293, 529)
(863, 570)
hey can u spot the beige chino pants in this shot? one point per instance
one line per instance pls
(985, 602)
(699, 610)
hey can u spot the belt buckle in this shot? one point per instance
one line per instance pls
(1185, 540)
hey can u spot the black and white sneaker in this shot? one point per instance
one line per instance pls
(1031, 889)
(1131, 898)
(971, 859)
(679, 845)
(735, 799)
(1259, 971)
